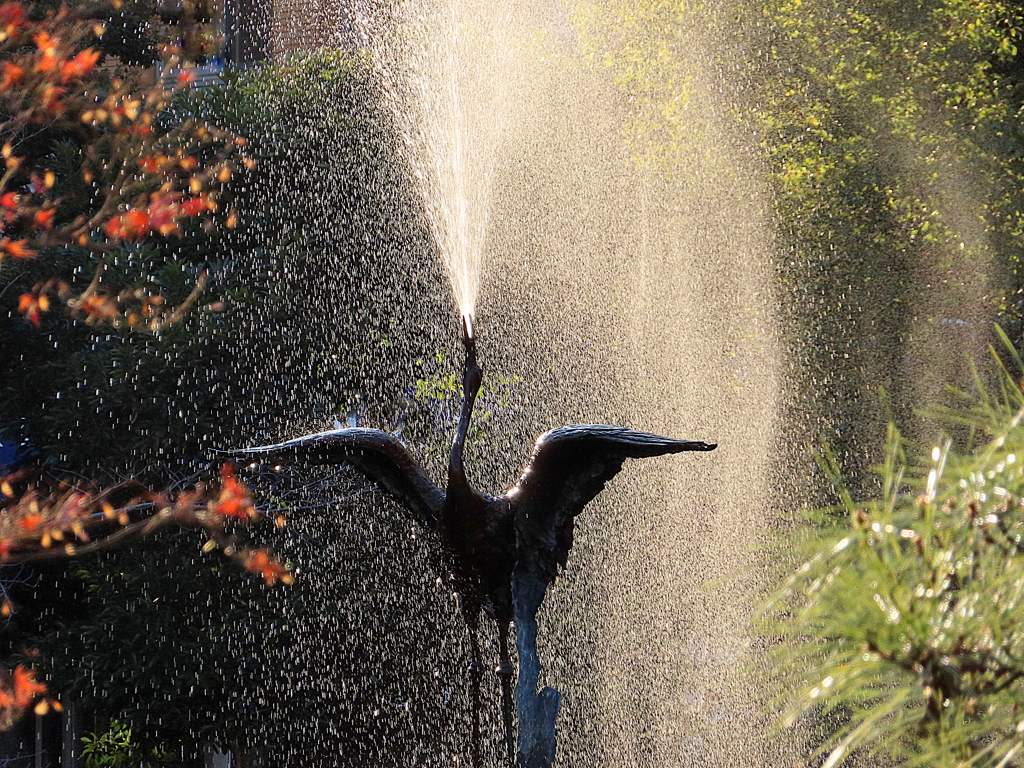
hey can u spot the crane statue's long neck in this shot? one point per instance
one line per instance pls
(471, 380)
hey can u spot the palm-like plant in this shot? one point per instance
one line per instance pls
(907, 622)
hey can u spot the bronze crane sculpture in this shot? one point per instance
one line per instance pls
(501, 552)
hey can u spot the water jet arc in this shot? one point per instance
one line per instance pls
(500, 552)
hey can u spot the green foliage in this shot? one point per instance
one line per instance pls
(649, 49)
(889, 129)
(114, 748)
(130, 33)
(865, 112)
(904, 625)
(436, 404)
(158, 640)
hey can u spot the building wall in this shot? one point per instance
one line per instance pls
(247, 30)
(307, 24)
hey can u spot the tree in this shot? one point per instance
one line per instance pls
(887, 133)
(889, 137)
(107, 182)
(90, 167)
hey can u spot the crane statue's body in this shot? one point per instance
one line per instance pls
(501, 552)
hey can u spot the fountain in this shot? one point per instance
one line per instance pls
(619, 294)
(505, 552)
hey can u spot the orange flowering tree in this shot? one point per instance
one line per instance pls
(102, 166)
(20, 690)
(123, 170)
(43, 518)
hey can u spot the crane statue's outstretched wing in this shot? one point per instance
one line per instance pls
(380, 456)
(569, 467)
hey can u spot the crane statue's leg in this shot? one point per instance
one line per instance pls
(505, 672)
(537, 710)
